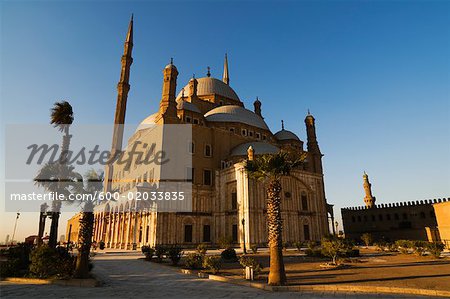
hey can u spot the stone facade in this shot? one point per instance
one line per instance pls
(226, 203)
(442, 212)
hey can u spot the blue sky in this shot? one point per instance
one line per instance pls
(375, 74)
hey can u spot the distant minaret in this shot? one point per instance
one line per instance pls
(369, 199)
(225, 78)
(314, 154)
(167, 105)
(123, 87)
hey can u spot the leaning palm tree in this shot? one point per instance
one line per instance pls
(270, 168)
(61, 117)
(93, 185)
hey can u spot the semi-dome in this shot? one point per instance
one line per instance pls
(208, 86)
(183, 105)
(148, 122)
(260, 148)
(286, 135)
(234, 113)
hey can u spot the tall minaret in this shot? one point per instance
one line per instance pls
(314, 154)
(167, 105)
(122, 95)
(369, 199)
(225, 78)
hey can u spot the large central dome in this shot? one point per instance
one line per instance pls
(208, 86)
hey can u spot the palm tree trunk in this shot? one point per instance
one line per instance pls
(85, 242)
(277, 274)
(53, 238)
(65, 146)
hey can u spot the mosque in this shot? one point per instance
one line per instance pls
(226, 203)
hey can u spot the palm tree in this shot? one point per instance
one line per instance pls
(94, 183)
(61, 117)
(61, 179)
(271, 168)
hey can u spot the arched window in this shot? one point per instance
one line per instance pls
(304, 201)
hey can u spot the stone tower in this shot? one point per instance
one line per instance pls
(314, 154)
(123, 87)
(168, 106)
(369, 199)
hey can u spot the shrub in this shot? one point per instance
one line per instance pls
(298, 245)
(225, 242)
(367, 239)
(380, 245)
(312, 245)
(229, 255)
(254, 248)
(194, 261)
(47, 262)
(334, 248)
(403, 245)
(101, 245)
(286, 245)
(212, 263)
(202, 249)
(148, 251)
(247, 261)
(435, 248)
(175, 253)
(419, 247)
(18, 260)
(351, 252)
(160, 251)
(313, 252)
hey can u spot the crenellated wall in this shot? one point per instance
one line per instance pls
(414, 220)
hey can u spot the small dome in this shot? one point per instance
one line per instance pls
(286, 135)
(234, 113)
(209, 86)
(260, 148)
(183, 105)
(170, 66)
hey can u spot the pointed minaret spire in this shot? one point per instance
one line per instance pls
(226, 78)
(282, 124)
(123, 87)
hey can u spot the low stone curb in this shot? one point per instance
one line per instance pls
(89, 282)
(333, 288)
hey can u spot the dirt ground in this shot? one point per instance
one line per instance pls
(372, 268)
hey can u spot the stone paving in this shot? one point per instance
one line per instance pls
(126, 276)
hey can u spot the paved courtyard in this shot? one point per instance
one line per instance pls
(127, 276)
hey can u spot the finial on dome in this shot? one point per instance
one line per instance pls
(171, 60)
(309, 113)
(282, 124)
(193, 76)
(208, 74)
